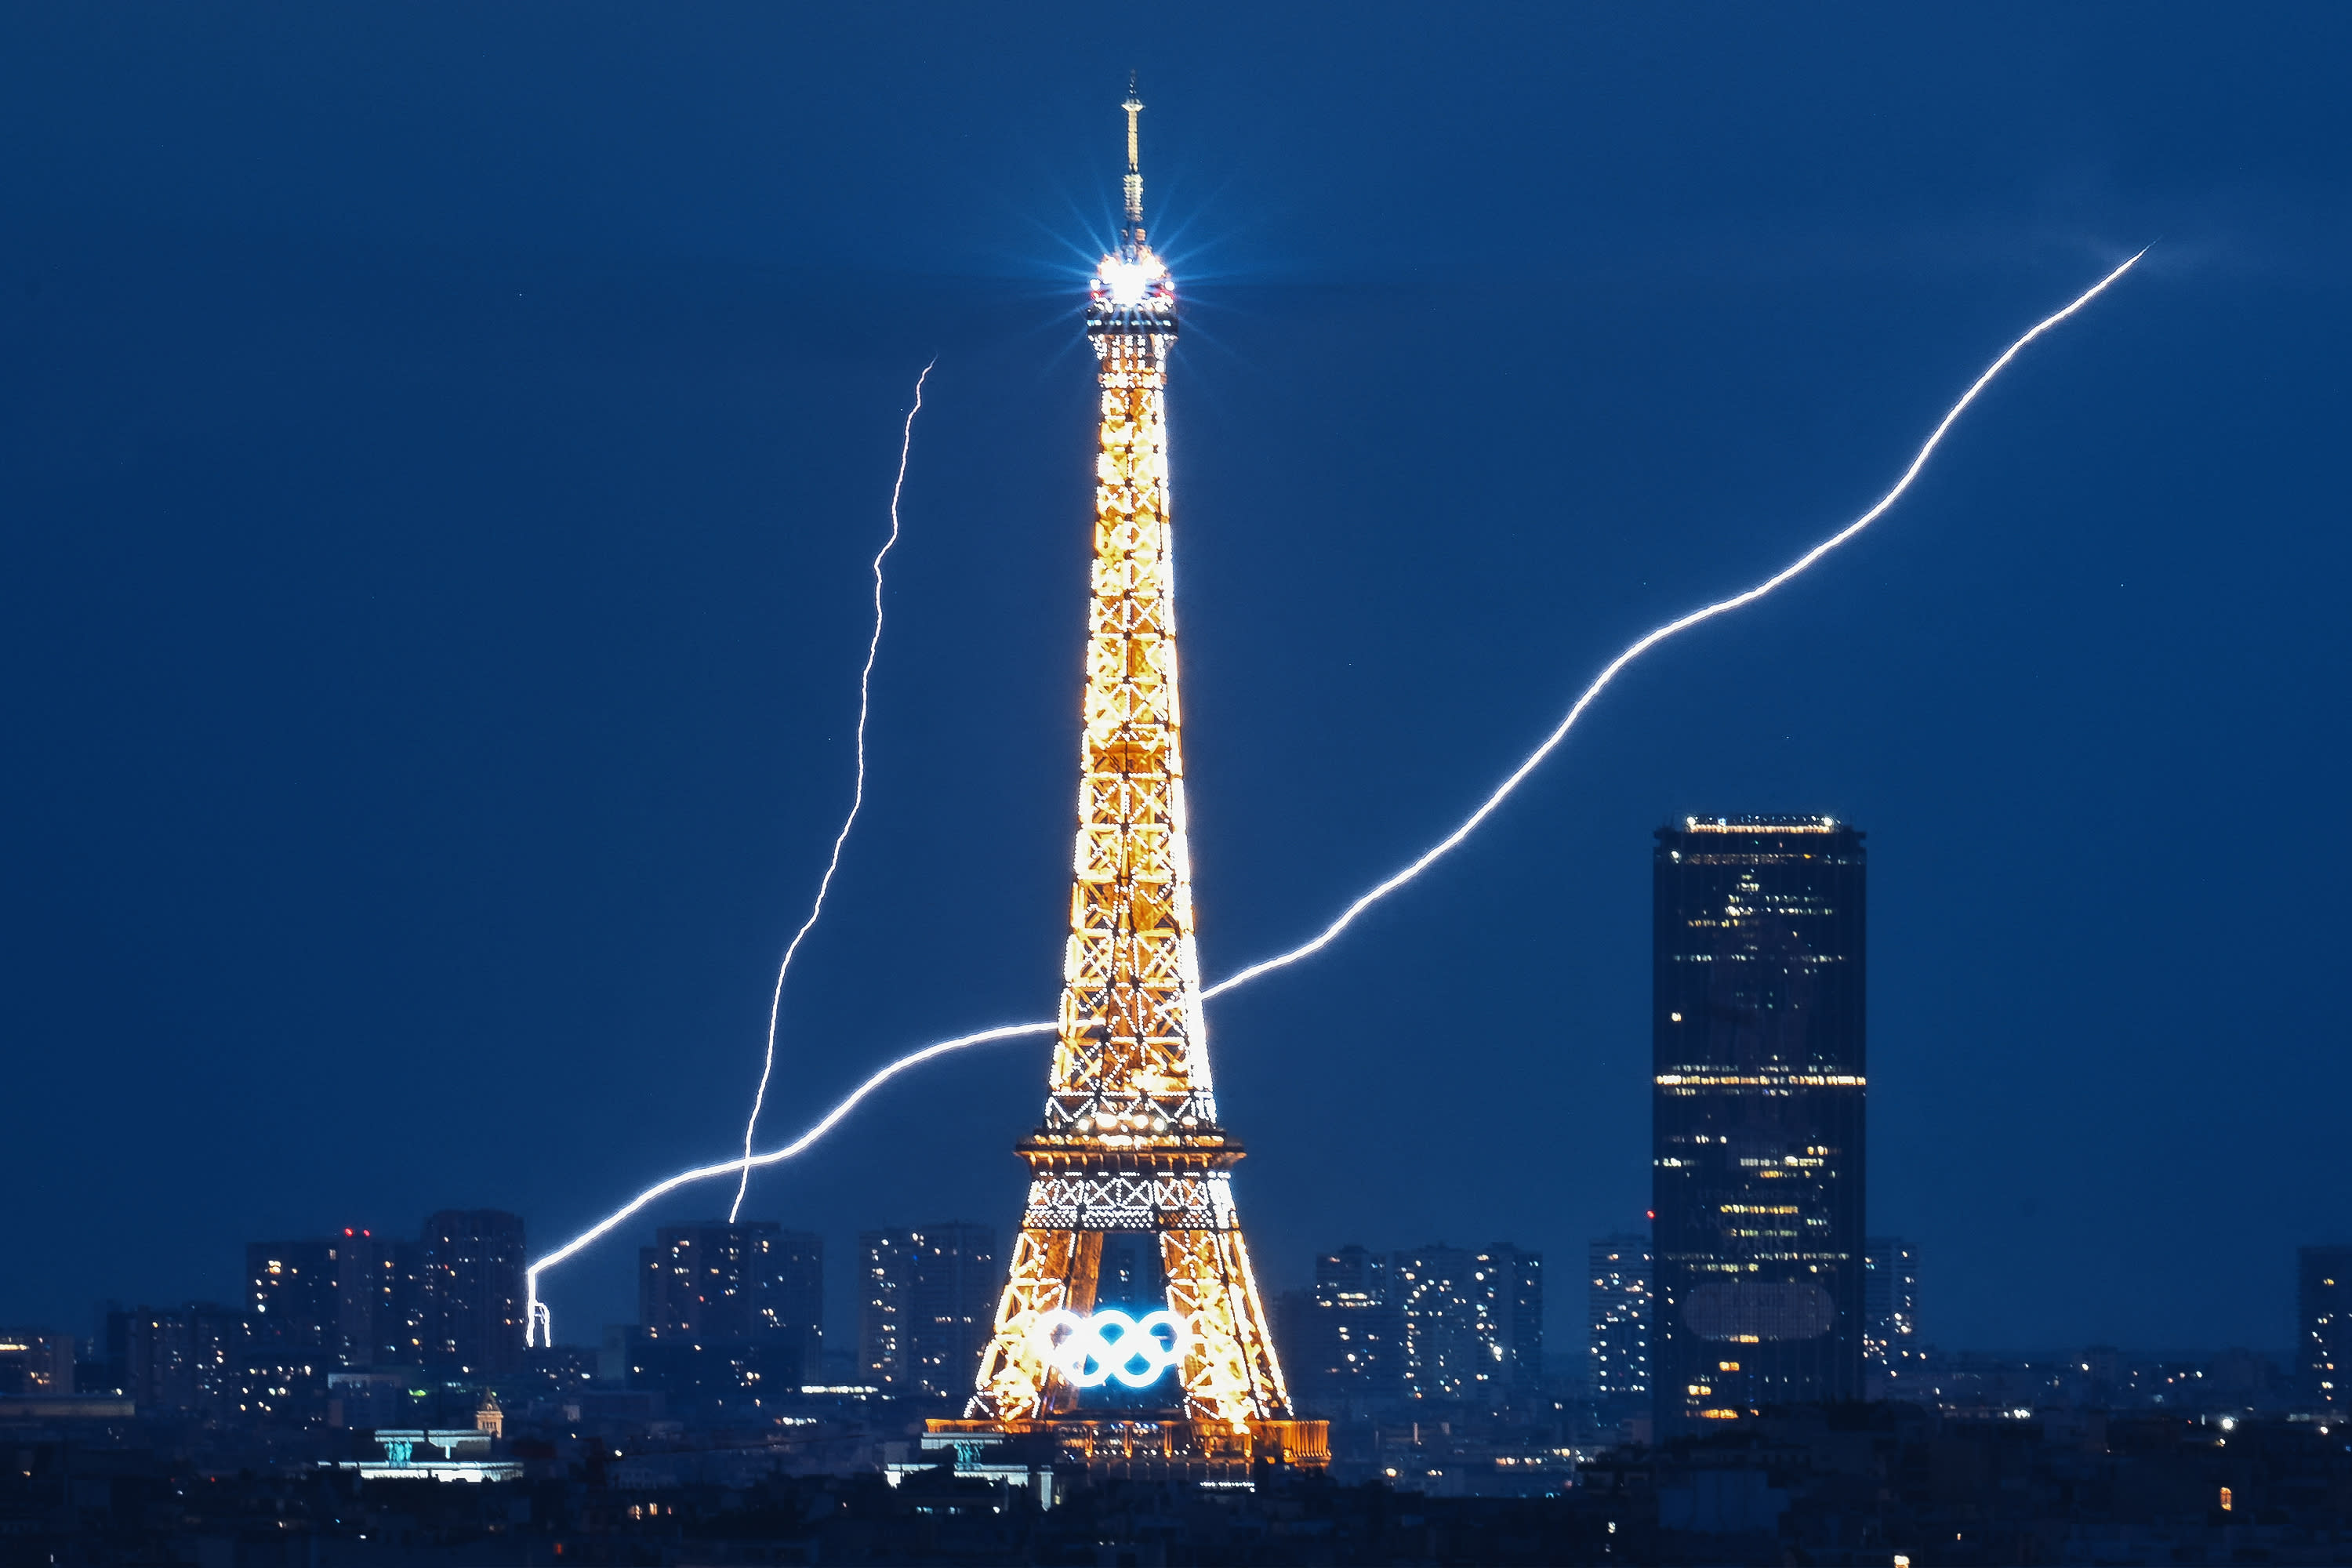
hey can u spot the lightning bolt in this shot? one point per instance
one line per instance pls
(857, 800)
(538, 1314)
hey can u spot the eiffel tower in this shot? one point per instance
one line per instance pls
(1131, 1330)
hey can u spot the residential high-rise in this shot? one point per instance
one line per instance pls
(1757, 1129)
(1344, 1335)
(291, 1293)
(718, 1283)
(925, 1300)
(474, 1296)
(352, 1301)
(184, 1358)
(2323, 1328)
(1619, 1309)
(1472, 1321)
(379, 1300)
(400, 1306)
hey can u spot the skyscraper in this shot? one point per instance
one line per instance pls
(1756, 1129)
(926, 1300)
(474, 1297)
(2323, 1331)
(718, 1283)
(1621, 1306)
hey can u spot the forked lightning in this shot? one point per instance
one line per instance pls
(539, 1322)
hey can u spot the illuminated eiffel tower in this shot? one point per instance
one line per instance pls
(1160, 1359)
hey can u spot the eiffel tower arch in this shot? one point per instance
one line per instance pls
(1131, 1333)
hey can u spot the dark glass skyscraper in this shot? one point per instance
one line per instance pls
(1757, 1120)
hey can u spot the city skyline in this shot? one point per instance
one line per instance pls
(529, 1041)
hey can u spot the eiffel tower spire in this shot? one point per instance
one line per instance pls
(1131, 1149)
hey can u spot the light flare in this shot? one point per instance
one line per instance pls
(857, 800)
(538, 1318)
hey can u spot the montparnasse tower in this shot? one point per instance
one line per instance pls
(1131, 1327)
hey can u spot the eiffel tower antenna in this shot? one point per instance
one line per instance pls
(1174, 1366)
(1131, 237)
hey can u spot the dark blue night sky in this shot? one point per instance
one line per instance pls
(440, 448)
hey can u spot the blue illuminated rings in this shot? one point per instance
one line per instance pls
(1090, 1352)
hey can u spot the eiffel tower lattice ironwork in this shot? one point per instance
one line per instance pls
(1130, 1153)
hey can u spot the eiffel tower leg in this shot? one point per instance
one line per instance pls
(1231, 1375)
(1050, 1268)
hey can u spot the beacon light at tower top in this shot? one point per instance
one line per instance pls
(1126, 282)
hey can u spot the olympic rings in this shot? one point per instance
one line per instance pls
(1113, 1344)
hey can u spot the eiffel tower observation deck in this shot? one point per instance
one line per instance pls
(1131, 1335)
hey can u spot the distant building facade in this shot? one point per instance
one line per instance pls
(1758, 1116)
(182, 1360)
(1471, 1322)
(927, 1305)
(718, 1283)
(292, 1291)
(1890, 1315)
(1343, 1336)
(1619, 1309)
(2322, 1330)
(380, 1309)
(36, 1361)
(473, 1292)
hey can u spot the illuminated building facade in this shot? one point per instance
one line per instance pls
(1620, 1307)
(2323, 1329)
(926, 1301)
(1130, 1143)
(1756, 1129)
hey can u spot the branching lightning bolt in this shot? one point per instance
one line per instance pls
(857, 800)
(1437, 851)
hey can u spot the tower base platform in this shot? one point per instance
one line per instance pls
(1139, 1447)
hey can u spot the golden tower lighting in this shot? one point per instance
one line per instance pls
(1131, 1145)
